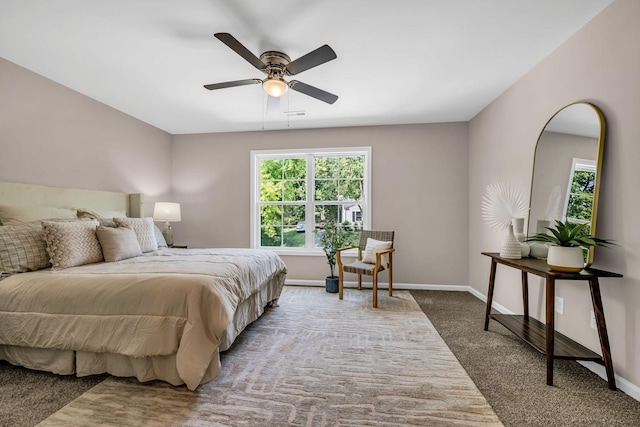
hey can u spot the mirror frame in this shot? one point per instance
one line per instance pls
(596, 190)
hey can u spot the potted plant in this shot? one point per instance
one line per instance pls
(568, 241)
(332, 237)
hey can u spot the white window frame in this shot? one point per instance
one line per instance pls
(258, 155)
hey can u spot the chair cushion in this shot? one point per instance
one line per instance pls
(360, 267)
(374, 246)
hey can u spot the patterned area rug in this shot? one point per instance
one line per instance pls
(312, 361)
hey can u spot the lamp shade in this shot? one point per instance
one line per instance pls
(275, 87)
(166, 211)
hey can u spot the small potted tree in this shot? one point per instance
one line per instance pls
(332, 237)
(568, 241)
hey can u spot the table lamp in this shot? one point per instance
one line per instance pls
(167, 212)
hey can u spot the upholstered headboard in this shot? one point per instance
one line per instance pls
(17, 194)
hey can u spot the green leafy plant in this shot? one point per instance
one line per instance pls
(569, 234)
(334, 236)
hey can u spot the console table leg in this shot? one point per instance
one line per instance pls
(596, 298)
(492, 281)
(525, 293)
(550, 332)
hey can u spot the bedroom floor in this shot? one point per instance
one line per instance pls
(579, 398)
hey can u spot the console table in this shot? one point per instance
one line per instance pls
(543, 337)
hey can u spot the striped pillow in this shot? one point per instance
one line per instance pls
(22, 249)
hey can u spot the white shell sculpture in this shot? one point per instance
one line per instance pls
(501, 203)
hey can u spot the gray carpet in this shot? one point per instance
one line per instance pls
(509, 373)
(512, 375)
(27, 397)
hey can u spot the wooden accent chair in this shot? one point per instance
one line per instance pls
(359, 267)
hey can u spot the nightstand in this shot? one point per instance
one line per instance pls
(179, 246)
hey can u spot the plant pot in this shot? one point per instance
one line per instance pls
(331, 284)
(565, 259)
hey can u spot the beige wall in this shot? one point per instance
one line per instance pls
(52, 135)
(599, 64)
(419, 189)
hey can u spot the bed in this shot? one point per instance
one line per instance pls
(163, 314)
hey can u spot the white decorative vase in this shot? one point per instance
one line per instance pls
(510, 247)
(565, 259)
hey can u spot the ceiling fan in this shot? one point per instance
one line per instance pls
(276, 65)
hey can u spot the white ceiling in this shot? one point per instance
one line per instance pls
(402, 61)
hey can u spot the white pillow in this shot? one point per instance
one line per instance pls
(118, 243)
(17, 215)
(374, 246)
(72, 243)
(143, 227)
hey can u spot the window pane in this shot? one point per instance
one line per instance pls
(325, 213)
(583, 182)
(327, 167)
(580, 207)
(292, 239)
(271, 215)
(295, 191)
(351, 189)
(270, 169)
(271, 191)
(270, 236)
(295, 169)
(293, 214)
(326, 190)
(352, 167)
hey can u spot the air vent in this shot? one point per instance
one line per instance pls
(295, 113)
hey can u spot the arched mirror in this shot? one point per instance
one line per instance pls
(566, 171)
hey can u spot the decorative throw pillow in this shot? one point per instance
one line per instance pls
(374, 246)
(118, 243)
(143, 227)
(18, 215)
(72, 243)
(22, 249)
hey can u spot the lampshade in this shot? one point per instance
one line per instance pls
(166, 211)
(275, 87)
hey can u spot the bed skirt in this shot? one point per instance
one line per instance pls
(81, 363)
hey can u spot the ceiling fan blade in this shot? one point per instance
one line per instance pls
(223, 85)
(239, 48)
(312, 59)
(273, 105)
(313, 92)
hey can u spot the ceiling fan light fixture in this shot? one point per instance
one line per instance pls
(275, 87)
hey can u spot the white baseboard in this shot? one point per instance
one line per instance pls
(623, 384)
(382, 285)
(627, 386)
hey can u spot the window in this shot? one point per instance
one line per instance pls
(295, 192)
(579, 200)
